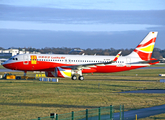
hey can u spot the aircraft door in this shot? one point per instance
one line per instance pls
(128, 62)
(33, 59)
(25, 59)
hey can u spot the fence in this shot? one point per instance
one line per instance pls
(101, 113)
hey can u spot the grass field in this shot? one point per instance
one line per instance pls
(156, 117)
(29, 99)
(1, 67)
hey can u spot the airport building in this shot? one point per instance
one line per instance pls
(76, 51)
(14, 51)
(7, 53)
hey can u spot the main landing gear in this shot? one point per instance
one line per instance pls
(74, 77)
(79, 72)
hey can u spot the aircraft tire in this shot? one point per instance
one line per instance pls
(81, 78)
(74, 77)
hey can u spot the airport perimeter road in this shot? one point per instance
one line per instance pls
(145, 112)
(151, 91)
(130, 115)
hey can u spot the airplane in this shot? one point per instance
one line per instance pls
(68, 66)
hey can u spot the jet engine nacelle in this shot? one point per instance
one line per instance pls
(59, 72)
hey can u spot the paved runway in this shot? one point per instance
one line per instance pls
(147, 91)
(145, 112)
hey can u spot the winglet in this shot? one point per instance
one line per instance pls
(117, 56)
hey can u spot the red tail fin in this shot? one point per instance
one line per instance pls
(145, 48)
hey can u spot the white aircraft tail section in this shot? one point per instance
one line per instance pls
(145, 48)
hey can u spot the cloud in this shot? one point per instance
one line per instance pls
(91, 4)
(26, 25)
(74, 23)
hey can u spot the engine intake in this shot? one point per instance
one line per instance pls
(59, 72)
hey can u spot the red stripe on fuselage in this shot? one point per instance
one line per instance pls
(50, 66)
(40, 66)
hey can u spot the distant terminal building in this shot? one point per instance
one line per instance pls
(7, 53)
(14, 51)
(76, 51)
(163, 60)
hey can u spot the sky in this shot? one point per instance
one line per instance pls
(104, 24)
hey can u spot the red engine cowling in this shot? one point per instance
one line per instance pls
(59, 72)
(153, 61)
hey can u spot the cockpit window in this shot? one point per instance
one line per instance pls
(13, 59)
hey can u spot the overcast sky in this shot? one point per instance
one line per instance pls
(80, 23)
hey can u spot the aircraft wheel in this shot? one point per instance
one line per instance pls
(74, 77)
(81, 78)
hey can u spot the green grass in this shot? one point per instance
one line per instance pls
(158, 65)
(1, 67)
(155, 117)
(29, 99)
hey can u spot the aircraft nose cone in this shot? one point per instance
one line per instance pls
(4, 64)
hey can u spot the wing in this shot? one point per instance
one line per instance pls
(86, 66)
